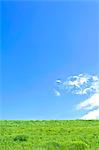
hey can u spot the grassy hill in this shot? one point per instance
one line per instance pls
(49, 135)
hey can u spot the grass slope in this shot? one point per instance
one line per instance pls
(49, 135)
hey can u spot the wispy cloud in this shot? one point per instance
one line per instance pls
(57, 93)
(94, 114)
(90, 103)
(83, 84)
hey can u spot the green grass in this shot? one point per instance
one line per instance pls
(49, 135)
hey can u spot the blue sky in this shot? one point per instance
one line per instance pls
(43, 42)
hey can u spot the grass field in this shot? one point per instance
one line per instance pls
(49, 135)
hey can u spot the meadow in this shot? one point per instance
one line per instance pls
(49, 135)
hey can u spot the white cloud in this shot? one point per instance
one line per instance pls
(57, 93)
(58, 81)
(82, 84)
(94, 114)
(90, 103)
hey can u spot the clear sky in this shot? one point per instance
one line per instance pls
(43, 42)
